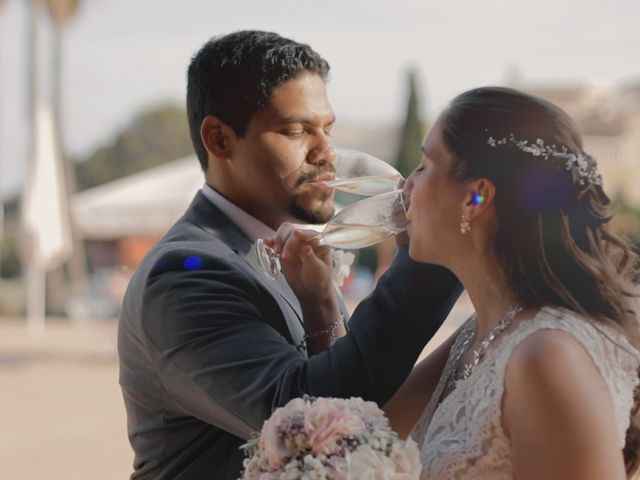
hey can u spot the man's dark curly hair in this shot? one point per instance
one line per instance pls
(233, 76)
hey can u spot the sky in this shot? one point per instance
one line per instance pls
(125, 55)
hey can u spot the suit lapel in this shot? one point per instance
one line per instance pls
(279, 288)
(211, 219)
(279, 284)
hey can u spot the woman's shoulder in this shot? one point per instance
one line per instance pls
(555, 331)
(556, 335)
(557, 349)
(560, 328)
(545, 355)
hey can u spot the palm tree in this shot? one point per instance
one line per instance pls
(61, 13)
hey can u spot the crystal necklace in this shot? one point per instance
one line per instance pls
(479, 353)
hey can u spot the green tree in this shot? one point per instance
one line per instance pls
(412, 131)
(407, 157)
(10, 263)
(155, 136)
(626, 222)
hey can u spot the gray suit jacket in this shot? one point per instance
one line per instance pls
(207, 345)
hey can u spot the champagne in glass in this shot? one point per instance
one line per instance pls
(359, 225)
(356, 236)
(363, 174)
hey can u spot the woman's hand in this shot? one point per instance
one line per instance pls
(305, 264)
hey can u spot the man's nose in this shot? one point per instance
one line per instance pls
(322, 155)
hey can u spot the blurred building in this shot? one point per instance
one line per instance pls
(609, 119)
(119, 220)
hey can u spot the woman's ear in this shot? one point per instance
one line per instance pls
(480, 195)
(216, 137)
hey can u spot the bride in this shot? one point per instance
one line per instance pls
(540, 381)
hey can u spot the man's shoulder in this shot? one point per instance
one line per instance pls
(185, 266)
(188, 254)
(186, 237)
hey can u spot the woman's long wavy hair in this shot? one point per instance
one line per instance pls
(552, 239)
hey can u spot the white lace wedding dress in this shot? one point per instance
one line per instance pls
(462, 437)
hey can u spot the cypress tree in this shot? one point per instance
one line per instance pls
(413, 130)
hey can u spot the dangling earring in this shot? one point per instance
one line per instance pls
(465, 226)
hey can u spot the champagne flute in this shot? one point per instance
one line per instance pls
(363, 174)
(359, 225)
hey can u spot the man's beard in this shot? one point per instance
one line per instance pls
(306, 215)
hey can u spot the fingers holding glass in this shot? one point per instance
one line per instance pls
(359, 225)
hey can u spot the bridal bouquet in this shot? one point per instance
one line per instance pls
(329, 439)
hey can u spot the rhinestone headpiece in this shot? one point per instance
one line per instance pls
(585, 167)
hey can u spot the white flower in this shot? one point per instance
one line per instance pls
(406, 458)
(341, 262)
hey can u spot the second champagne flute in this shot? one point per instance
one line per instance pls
(359, 225)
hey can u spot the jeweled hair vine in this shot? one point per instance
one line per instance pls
(581, 164)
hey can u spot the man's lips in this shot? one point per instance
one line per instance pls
(320, 180)
(325, 177)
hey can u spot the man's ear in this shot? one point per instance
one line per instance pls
(216, 137)
(479, 197)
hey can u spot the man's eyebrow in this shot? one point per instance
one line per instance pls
(305, 120)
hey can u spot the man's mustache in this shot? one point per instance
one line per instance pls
(313, 175)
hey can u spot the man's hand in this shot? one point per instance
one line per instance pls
(305, 264)
(307, 267)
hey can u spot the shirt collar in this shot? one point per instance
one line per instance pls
(248, 224)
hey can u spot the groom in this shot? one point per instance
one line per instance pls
(208, 345)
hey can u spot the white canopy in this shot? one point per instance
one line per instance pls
(145, 203)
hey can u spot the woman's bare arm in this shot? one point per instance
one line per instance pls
(407, 404)
(558, 412)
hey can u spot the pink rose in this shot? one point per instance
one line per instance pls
(330, 420)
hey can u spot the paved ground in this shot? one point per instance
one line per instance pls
(61, 411)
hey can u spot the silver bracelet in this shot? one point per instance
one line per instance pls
(330, 330)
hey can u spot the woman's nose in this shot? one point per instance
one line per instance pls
(407, 184)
